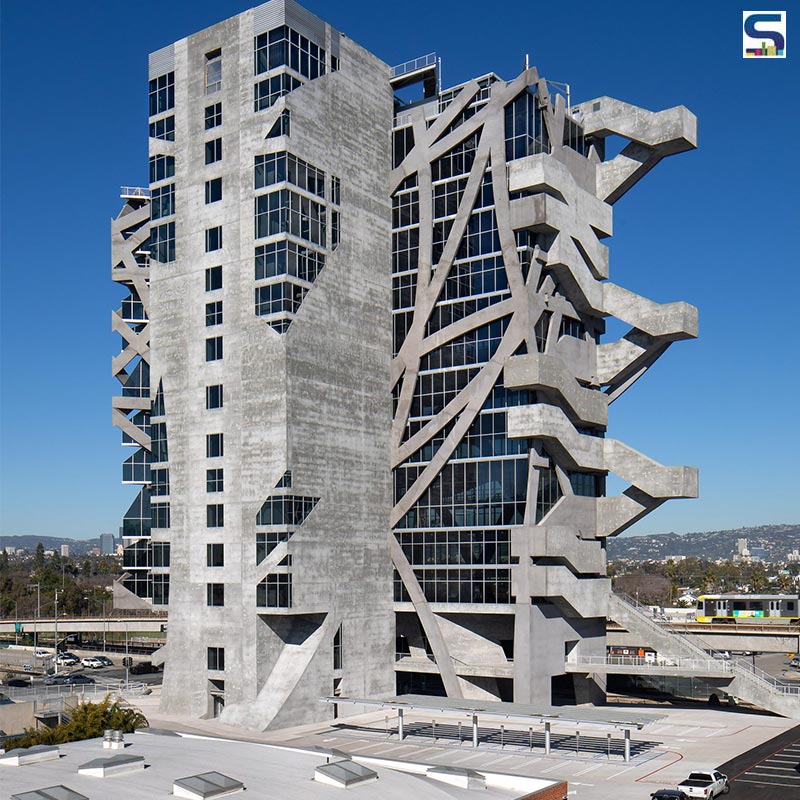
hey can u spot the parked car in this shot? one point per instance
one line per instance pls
(107, 662)
(143, 668)
(55, 680)
(42, 653)
(92, 662)
(668, 794)
(18, 683)
(73, 680)
(705, 784)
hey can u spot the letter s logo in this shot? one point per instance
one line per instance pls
(764, 34)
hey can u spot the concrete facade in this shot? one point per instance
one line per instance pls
(500, 375)
(284, 235)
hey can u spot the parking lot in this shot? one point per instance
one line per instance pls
(770, 771)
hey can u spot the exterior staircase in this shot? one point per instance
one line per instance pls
(748, 682)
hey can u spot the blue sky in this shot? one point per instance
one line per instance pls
(716, 227)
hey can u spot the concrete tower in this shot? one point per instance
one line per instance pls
(301, 261)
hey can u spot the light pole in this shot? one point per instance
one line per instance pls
(38, 612)
(127, 659)
(55, 629)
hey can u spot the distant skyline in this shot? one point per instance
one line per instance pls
(716, 227)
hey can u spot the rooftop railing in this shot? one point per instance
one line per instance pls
(134, 192)
(413, 65)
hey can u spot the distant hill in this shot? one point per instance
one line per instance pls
(777, 540)
(76, 546)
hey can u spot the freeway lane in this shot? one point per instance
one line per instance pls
(770, 771)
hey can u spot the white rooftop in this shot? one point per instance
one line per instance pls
(267, 771)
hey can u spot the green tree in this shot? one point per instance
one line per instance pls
(38, 559)
(88, 721)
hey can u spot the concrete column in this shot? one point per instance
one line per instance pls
(627, 745)
(400, 723)
(547, 738)
(474, 730)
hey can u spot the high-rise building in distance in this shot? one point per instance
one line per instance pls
(363, 374)
(108, 544)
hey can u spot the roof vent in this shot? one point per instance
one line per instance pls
(29, 755)
(206, 786)
(113, 740)
(114, 765)
(344, 774)
(51, 793)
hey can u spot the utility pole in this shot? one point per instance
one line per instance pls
(38, 613)
(55, 629)
(127, 659)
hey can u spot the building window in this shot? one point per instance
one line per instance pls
(161, 168)
(160, 554)
(214, 280)
(277, 167)
(136, 468)
(268, 91)
(159, 514)
(214, 396)
(213, 191)
(215, 480)
(162, 243)
(214, 313)
(214, 348)
(213, 116)
(276, 297)
(337, 649)
(336, 190)
(215, 555)
(284, 47)
(163, 129)
(213, 239)
(334, 63)
(215, 443)
(275, 591)
(162, 93)
(334, 229)
(281, 126)
(215, 515)
(158, 442)
(216, 658)
(285, 211)
(162, 201)
(267, 542)
(215, 594)
(288, 258)
(160, 589)
(213, 71)
(159, 482)
(213, 151)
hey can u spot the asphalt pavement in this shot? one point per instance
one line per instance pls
(769, 771)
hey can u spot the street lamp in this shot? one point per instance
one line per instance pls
(55, 629)
(38, 587)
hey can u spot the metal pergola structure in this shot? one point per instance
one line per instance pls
(514, 712)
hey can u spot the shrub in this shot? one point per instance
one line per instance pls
(87, 721)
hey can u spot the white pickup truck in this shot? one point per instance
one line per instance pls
(705, 784)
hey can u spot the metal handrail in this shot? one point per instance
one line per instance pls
(738, 667)
(638, 607)
(134, 191)
(45, 693)
(428, 60)
(698, 664)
